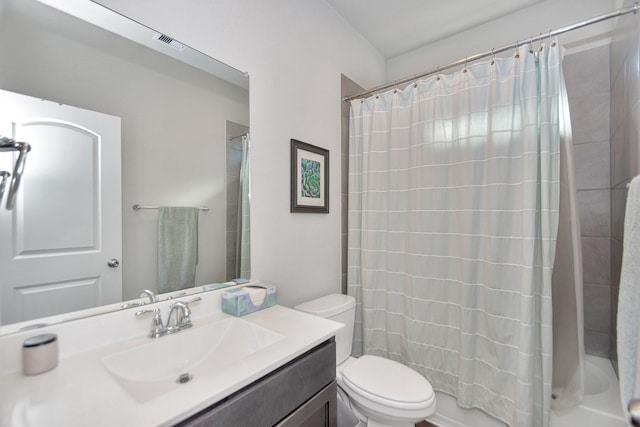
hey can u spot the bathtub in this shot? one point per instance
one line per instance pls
(600, 406)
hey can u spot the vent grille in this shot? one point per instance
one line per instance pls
(162, 38)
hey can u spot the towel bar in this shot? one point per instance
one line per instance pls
(137, 207)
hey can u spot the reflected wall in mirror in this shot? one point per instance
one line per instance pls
(175, 125)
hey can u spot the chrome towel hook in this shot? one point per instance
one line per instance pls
(3, 182)
(8, 144)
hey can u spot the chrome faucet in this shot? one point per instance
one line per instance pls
(146, 293)
(179, 318)
(157, 328)
(182, 317)
(150, 295)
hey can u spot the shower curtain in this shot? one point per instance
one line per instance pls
(568, 315)
(453, 217)
(243, 242)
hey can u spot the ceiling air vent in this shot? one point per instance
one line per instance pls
(169, 41)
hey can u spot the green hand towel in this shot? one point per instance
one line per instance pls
(177, 248)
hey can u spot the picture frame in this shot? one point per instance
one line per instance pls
(309, 178)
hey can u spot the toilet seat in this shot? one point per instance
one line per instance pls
(388, 384)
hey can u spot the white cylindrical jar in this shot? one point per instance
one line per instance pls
(39, 354)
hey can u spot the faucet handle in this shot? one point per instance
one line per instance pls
(187, 308)
(157, 327)
(145, 313)
(178, 295)
(131, 304)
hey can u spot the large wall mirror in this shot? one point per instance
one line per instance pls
(117, 115)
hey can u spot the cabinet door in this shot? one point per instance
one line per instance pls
(279, 395)
(319, 411)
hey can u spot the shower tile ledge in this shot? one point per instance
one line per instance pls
(600, 405)
(599, 408)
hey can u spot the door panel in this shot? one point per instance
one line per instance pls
(66, 225)
(71, 195)
(48, 299)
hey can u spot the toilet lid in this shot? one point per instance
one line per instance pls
(387, 382)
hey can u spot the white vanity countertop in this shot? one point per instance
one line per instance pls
(80, 391)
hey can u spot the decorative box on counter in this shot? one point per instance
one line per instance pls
(247, 299)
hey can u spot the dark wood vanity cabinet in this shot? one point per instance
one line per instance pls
(300, 393)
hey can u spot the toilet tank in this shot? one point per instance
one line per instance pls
(339, 308)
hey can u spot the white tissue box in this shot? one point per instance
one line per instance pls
(247, 299)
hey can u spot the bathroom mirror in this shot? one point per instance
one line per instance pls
(176, 119)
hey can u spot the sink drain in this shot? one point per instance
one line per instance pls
(184, 378)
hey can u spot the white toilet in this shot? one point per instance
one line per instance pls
(381, 392)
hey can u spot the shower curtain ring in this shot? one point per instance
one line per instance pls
(530, 44)
(465, 65)
(540, 39)
(493, 56)
(517, 47)
(438, 76)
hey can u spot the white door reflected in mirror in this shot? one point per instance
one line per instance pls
(67, 219)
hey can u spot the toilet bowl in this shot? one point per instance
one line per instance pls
(381, 392)
(385, 393)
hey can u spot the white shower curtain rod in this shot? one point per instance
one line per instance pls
(614, 14)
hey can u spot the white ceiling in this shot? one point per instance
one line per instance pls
(395, 27)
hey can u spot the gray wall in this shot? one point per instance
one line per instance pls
(604, 94)
(587, 77)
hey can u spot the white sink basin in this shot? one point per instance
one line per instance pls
(153, 368)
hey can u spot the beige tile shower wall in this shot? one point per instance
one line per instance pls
(588, 86)
(232, 187)
(625, 107)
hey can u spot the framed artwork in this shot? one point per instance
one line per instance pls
(309, 178)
